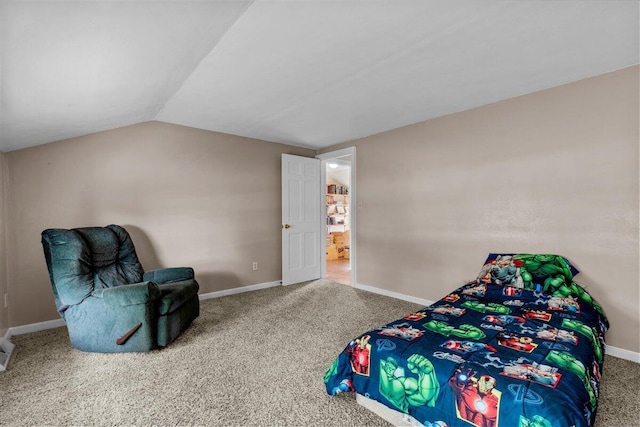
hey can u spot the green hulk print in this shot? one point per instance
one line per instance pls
(404, 391)
(565, 290)
(588, 332)
(559, 281)
(492, 307)
(569, 362)
(332, 371)
(535, 421)
(553, 267)
(464, 331)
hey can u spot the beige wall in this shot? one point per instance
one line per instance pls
(555, 171)
(4, 313)
(187, 196)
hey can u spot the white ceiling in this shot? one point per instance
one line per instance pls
(311, 73)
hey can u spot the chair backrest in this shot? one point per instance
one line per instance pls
(83, 259)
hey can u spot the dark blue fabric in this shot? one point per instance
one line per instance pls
(485, 355)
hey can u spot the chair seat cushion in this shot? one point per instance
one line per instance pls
(174, 294)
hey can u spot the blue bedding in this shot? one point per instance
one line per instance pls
(522, 347)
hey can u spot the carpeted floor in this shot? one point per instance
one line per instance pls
(255, 358)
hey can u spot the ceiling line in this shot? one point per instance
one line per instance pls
(197, 66)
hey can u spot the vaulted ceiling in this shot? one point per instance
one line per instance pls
(310, 73)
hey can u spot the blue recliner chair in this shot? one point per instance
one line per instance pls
(107, 300)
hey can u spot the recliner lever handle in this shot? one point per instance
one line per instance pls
(123, 339)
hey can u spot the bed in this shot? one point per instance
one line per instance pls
(520, 346)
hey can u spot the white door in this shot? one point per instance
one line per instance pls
(301, 224)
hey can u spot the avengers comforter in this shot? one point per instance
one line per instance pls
(520, 346)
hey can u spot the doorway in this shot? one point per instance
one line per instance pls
(338, 179)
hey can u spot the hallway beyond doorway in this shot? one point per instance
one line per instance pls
(338, 170)
(338, 271)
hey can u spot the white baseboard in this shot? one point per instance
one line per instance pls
(396, 295)
(239, 290)
(35, 327)
(622, 353)
(610, 350)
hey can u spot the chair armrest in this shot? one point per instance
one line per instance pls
(169, 275)
(125, 295)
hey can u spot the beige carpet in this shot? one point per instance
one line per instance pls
(250, 359)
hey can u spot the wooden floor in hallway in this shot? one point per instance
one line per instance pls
(338, 271)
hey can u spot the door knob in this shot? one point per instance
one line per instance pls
(286, 226)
